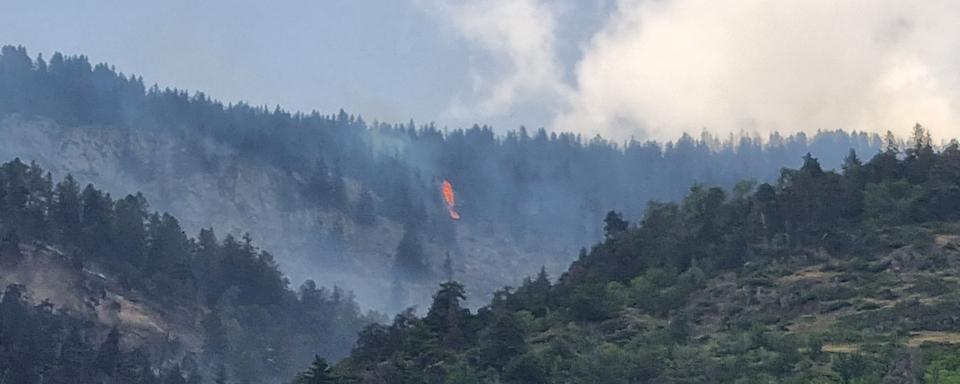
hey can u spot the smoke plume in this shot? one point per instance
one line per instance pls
(656, 68)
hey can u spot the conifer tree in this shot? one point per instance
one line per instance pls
(365, 211)
(65, 211)
(409, 260)
(338, 187)
(319, 372)
(614, 224)
(502, 341)
(10, 248)
(446, 317)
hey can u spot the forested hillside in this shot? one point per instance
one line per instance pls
(101, 290)
(847, 276)
(334, 195)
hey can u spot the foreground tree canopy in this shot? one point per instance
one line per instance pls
(255, 328)
(845, 277)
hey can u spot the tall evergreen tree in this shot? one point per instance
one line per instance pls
(96, 223)
(365, 210)
(446, 317)
(501, 342)
(130, 237)
(409, 260)
(10, 248)
(65, 211)
(318, 373)
(614, 224)
(338, 187)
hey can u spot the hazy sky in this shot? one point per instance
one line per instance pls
(644, 68)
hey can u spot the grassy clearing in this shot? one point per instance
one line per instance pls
(841, 348)
(919, 338)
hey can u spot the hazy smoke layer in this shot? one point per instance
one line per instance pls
(659, 67)
(519, 36)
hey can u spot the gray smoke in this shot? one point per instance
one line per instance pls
(654, 69)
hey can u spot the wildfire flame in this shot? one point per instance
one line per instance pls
(448, 197)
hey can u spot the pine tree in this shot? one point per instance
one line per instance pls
(446, 317)
(168, 256)
(338, 188)
(537, 293)
(318, 185)
(921, 138)
(35, 224)
(614, 224)
(318, 373)
(409, 259)
(130, 214)
(10, 248)
(890, 143)
(851, 163)
(501, 341)
(811, 166)
(65, 211)
(96, 219)
(365, 210)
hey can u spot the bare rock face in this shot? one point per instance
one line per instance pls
(84, 293)
(204, 184)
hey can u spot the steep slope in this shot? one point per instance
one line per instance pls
(101, 291)
(297, 181)
(824, 277)
(238, 198)
(90, 295)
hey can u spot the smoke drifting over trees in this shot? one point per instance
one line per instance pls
(352, 188)
(710, 191)
(252, 323)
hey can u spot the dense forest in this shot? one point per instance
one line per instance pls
(253, 327)
(844, 276)
(533, 196)
(714, 263)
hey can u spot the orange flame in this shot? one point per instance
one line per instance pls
(448, 197)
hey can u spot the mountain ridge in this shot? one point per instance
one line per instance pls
(279, 174)
(823, 277)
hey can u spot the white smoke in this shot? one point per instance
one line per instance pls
(663, 66)
(517, 59)
(660, 67)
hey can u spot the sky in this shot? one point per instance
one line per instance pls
(619, 68)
